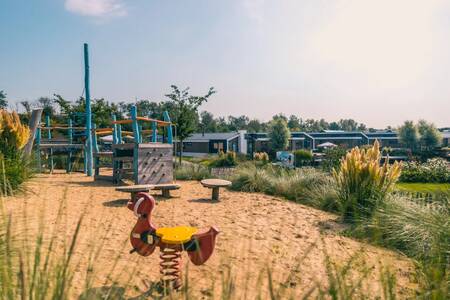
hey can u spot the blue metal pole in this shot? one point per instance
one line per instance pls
(114, 134)
(169, 128)
(135, 124)
(88, 112)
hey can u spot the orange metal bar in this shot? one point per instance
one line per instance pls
(122, 122)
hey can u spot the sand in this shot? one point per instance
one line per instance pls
(257, 232)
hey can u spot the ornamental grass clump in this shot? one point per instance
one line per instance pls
(13, 134)
(363, 182)
(14, 168)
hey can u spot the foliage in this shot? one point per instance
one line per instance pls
(434, 170)
(306, 185)
(302, 157)
(3, 101)
(409, 135)
(430, 137)
(261, 156)
(332, 158)
(279, 134)
(420, 231)
(362, 183)
(191, 171)
(14, 168)
(228, 159)
(13, 135)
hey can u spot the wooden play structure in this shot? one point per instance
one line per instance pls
(72, 141)
(145, 237)
(138, 155)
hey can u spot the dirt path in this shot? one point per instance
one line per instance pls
(257, 231)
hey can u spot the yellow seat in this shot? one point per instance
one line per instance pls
(176, 235)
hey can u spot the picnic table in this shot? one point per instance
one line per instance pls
(134, 189)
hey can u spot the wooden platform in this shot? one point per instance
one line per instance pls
(61, 145)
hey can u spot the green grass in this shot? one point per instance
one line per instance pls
(423, 187)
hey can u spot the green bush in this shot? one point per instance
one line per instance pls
(191, 171)
(332, 158)
(302, 157)
(228, 159)
(435, 170)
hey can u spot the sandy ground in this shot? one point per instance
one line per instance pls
(257, 232)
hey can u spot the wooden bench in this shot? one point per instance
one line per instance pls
(134, 189)
(166, 188)
(215, 185)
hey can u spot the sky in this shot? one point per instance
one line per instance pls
(379, 62)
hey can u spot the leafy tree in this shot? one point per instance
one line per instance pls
(222, 125)
(185, 113)
(334, 126)
(254, 126)
(47, 105)
(3, 101)
(430, 137)
(279, 134)
(27, 106)
(294, 123)
(208, 123)
(280, 116)
(409, 135)
(237, 123)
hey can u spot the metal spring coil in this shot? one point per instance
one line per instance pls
(170, 267)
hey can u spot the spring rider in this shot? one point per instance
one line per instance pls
(145, 237)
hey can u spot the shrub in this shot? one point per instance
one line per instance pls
(362, 182)
(228, 159)
(14, 168)
(332, 158)
(261, 156)
(302, 157)
(191, 171)
(434, 170)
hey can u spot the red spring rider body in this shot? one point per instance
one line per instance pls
(145, 237)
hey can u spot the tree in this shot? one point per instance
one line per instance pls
(255, 126)
(208, 123)
(279, 134)
(294, 123)
(409, 135)
(237, 123)
(3, 101)
(27, 106)
(430, 137)
(47, 105)
(185, 113)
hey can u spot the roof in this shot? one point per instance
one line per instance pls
(205, 137)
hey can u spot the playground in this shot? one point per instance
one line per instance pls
(256, 232)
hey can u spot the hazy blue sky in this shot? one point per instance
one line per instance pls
(377, 61)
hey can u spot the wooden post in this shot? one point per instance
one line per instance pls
(49, 136)
(34, 123)
(88, 151)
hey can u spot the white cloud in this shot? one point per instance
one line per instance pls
(96, 8)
